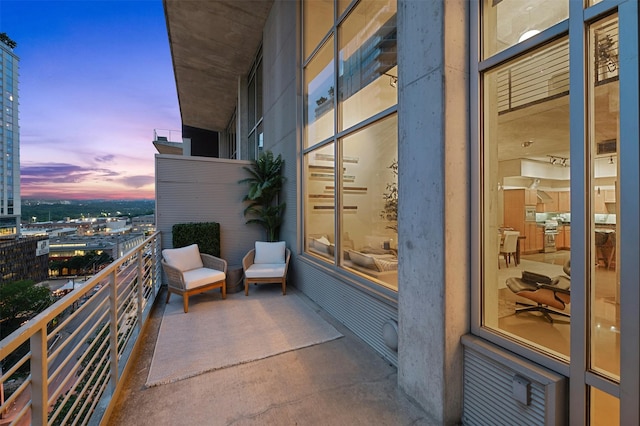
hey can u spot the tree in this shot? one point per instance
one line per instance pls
(6, 40)
(19, 302)
(265, 184)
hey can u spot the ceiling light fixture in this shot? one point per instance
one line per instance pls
(393, 80)
(527, 34)
(560, 161)
(611, 160)
(526, 144)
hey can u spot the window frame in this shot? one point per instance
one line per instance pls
(379, 291)
(577, 370)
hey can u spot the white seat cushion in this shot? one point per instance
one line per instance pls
(184, 258)
(198, 277)
(270, 252)
(265, 270)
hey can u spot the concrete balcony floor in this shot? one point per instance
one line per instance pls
(341, 382)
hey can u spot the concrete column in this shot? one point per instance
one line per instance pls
(434, 208)
(242, 118)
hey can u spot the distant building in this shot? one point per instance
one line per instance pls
(146, 223)
(9, 142)
(25, 258)
(114, 245)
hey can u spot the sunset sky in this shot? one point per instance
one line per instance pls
(95, 81)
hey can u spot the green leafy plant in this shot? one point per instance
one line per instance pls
(265, 183)
(390, 211)
(205, 234)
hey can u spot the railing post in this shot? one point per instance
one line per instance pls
(157, 274)
(39, 377)
(113, 328)
(141, 279)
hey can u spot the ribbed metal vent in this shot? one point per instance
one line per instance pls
(489, 383)
(360, 312)
(607, 147)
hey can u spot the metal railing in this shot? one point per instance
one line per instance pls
(167, 135)
(64, 365)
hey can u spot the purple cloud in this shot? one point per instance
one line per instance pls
(105, 158)
(59, 173)
(137, 181)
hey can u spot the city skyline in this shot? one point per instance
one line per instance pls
(95, 80)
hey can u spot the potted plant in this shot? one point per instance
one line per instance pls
(265, 184)
(390, 211)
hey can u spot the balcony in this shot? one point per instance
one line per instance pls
(86, 358)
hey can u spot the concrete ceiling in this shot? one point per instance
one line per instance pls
(212, 43)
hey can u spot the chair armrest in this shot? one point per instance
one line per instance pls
(554, 288)
(248, 258)
(176, 279)
(213, 262)
(286, 261)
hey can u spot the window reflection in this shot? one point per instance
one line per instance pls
(370, 202)
(527, 212)
(508, 22)
(351, 175)
(319, 96)
(317, 21)
(367, 61)
(320, 202)
(604, 101)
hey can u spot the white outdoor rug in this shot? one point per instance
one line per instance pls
(220, 333)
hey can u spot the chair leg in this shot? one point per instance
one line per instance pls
(185, 302)
(168, 295)
(542, 309)
(284, 287)
(506, 259)
(224, 289)
(246, 287)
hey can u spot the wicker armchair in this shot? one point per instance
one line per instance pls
(267, 263)
(191, 272)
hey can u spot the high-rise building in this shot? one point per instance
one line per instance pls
(9, 140)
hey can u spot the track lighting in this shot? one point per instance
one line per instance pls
(393, 80)
(560, 161)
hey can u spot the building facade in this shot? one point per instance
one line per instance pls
(9, 141)
(419, 139)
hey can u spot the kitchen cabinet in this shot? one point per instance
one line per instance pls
(598, 202)
(609, 195)
(564, 202)
(560, 238)
(551, 206)
(533, 243)
(567, 237)
(530, 197)
(539, 239)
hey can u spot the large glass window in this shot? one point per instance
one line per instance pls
(316, 22)
(255, 109)
(369, 200)
(557, 190)
(320, 86)
(508, 22)
(350, 158)
(604, 134)
(367, 51)
(527, 214)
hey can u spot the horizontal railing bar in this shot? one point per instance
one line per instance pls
(77, 359)
(77, 330)
(17, 392)
(78, 346)
(21, 335)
